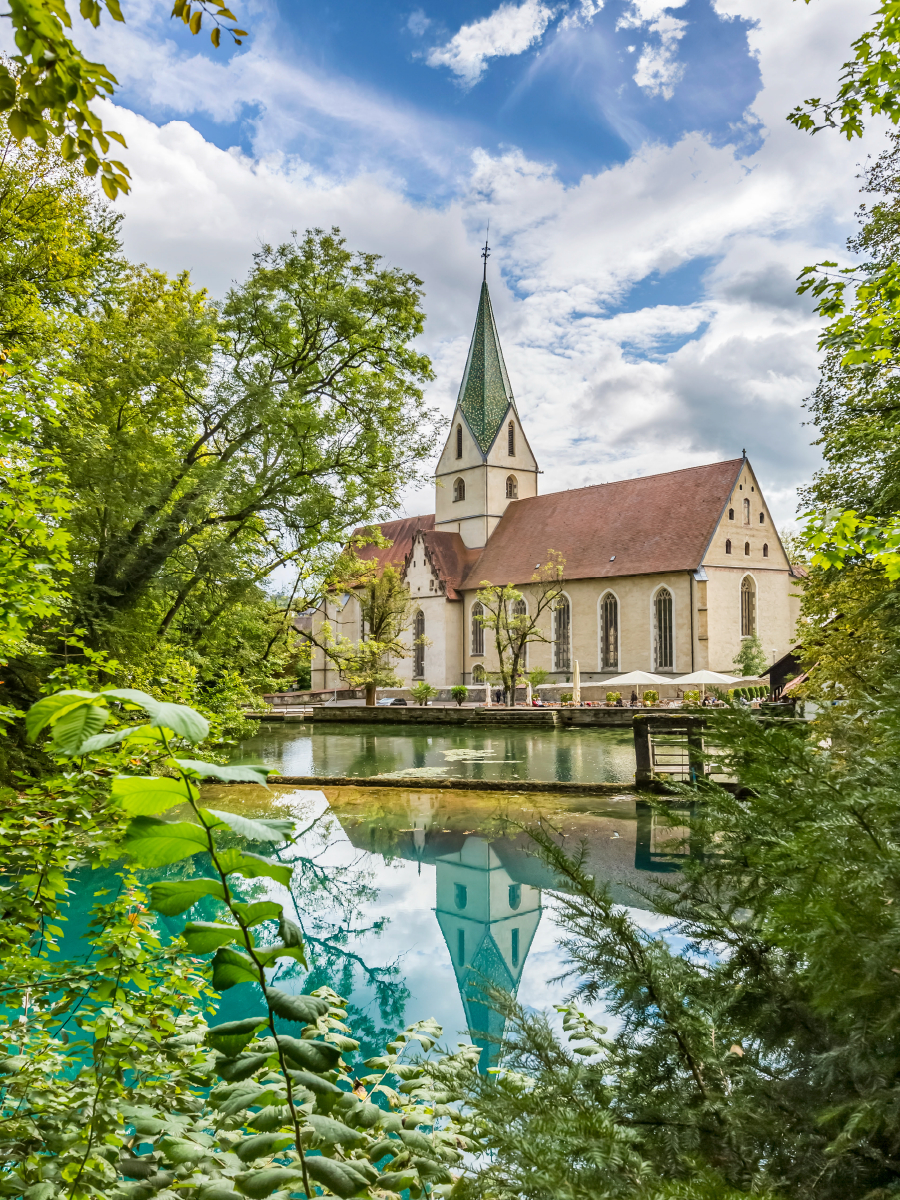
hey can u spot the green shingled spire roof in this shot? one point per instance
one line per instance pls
(485, 394)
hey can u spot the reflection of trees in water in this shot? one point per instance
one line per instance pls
(329, 903)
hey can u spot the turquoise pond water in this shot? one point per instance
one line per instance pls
(407, 897)
(555, 755)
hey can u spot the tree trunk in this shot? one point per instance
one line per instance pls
(370, 694)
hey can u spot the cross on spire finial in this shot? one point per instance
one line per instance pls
(486, 252)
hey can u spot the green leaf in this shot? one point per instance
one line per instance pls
(203, 937)
(242, 1067)
(269, 954)
(309, 1055)
(253, 831)
(230, 967)
(257, 1184)
(261, 1145)
(238, 1096)
(183, 721)
(290, 934)
(339, 1177)
(305, 1010)
(252, 866)
(142, 796)
(241, 774)
(397, 1181)
(316, 1084)
(334, 1133)
(231, 1037)
(101, 741)
(276, 1116)
(173, 896)
(179, 1150)
(252, 914)
(50, 708)
(219, 1189)
(155, 843)
(75, 725)
(131, 696)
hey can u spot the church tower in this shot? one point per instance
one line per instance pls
(486, 461)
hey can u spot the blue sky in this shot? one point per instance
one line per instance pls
(650, 207)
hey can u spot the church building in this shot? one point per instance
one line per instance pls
(665, 573)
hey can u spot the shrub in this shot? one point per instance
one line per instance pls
(692, 697)
(565, 698)
(423, 692)
(650, 697)
(612, 697)
(459, 693)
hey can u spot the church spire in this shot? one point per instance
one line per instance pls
(485, 393)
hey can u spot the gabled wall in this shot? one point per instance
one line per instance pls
(485, 476)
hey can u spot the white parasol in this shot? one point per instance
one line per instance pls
(637, 679)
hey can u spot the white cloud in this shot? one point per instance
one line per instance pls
(582, 14)
(510, 29)
(418, 23)
(658, 69)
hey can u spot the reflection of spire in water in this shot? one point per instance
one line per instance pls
(488, 922)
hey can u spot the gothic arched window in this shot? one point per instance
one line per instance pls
(419, 646)
(748, 607)
(766, 550)
(459, 490)
(609, 633)
(746, 547)
(478, 673)
(746, 512)
(728, 545)
(762, 518)
(562, 636)
(459, 441)
(731, 514)
(511, 439)
(663, 640)
(512, 487)
(477, 628)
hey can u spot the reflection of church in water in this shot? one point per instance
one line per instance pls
(488, 920)
(488, 888)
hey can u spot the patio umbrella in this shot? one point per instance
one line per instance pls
(702, 678)
(576, 684)
(637, 679)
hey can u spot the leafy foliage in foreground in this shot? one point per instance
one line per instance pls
(147, 1099)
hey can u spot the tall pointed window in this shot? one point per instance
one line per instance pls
(478, 673)
(746, 512)
(766, 550)
(514, 947)
(762, 518)
(512, 487)
(511, 439)
(477, 628)
(664, 640)
(419, 646)
(748, 607)
(459, 490)
(746, 547)
(562, 636)
(728, 545)
(609, 633)
(459, 441)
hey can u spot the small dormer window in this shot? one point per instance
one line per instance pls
(459, 490)
(511, 439)
(459, 441)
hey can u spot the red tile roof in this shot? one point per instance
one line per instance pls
(634, 527)
(401, 534)
(451, 559)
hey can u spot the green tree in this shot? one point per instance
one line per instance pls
(386, 614)
(751, 658)
(228, 442)
(517, 623)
